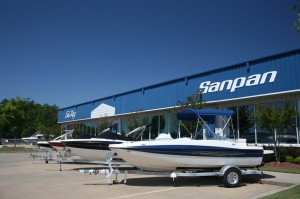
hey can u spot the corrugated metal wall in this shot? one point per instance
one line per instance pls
(168, 93)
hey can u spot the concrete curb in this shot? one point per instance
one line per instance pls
(282, 184)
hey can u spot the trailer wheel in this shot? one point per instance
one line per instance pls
(232, 177)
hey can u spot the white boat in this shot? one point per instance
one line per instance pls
(213, 151)
(57, 143)
(34, 138)
(96, 149)
(44, 145)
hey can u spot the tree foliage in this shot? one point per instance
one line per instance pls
(23, 117)
(296, 8)
(158, 123)
(13, 116)
(276, 120)
(243, 120)
(135, 122)
(195, 101)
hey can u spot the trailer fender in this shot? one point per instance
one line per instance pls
(226, 167)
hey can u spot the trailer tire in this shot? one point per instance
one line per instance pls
(232, 177)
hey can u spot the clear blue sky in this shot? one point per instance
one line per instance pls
(66, 52)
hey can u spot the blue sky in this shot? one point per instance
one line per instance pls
(66, 52)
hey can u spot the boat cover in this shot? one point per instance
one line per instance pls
(205, 114)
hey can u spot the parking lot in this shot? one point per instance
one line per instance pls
(22, 177)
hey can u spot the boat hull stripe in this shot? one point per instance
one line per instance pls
(198, 151)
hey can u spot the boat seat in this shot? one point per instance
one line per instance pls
(218, 133)
(163, 136)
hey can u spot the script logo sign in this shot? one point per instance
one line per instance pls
(71, 114)
(232, 84)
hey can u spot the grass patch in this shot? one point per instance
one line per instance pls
(291, 193)
(280, 169)
(11, 149)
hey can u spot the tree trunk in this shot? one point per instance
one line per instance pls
(275, 147)
(15, 140)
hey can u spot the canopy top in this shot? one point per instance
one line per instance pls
(193, 114)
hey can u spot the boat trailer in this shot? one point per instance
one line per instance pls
(49, 156)
(231, 174)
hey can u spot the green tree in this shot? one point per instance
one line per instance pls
(135, 122)
(244, 116)
(22, 117)
(13, 115)
(46, 119)
(102, 124)
(296, 8)
(4, 126)
(276, 119)
(195, 101)
(158, 122)
(30, 109)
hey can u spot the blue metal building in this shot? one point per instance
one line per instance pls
(272, 80)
